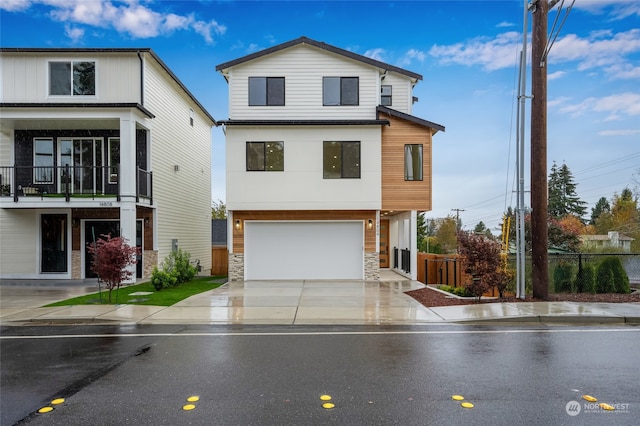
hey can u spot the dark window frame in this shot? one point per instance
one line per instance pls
(384, 97)
(264, 167)
(271, 97)
(344, 156)
(329, 83)
(81, 78)
(409, 156)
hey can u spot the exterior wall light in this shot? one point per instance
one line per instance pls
(238, 224)
(370, 224)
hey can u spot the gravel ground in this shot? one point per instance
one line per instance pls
(429, 298)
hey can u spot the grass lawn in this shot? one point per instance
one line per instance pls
(164, 297)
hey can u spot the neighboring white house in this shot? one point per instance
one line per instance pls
(613, 239)
(97, 141)
(326, 168)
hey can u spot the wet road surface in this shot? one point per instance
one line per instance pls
(264, 375)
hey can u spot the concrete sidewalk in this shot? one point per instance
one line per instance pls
(298, 303)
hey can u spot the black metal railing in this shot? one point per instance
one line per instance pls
(69, 182)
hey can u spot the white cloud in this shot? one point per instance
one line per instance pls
(617, 106)
(411, 55)
(556, 75)
(15, 5)
(621, 132)
(132, 17)
(616, 9)
(377, 54)
(490, 53)
(74, 33)
(505, 24)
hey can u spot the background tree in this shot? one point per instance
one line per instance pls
(446, 235)
(623, 217)
(601, 206)
(111, 259)
(563, 199)
(218, 210)
(421, 231)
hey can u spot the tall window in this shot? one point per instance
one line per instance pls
(340, 91)
(413, 162)
(43, 160)
(72, 78)
(114, 159)
(266, 91)
(385, 95)
(341, 160)
(265, 156)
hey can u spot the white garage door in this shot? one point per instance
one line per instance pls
(303, 250)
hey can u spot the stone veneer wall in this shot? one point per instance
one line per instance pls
(371, 267)
(76, 265)
(150, 260)
(236, 266)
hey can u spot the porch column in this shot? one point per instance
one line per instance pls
(413, 244)
(127, 180)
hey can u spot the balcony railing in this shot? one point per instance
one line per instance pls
(68, 182)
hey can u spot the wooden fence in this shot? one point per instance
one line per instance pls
(219, 261)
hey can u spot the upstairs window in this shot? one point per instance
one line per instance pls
(43, 160)
(72, 78)
(341, 160)
(413, 162)
(266, 91)
(265, 156)
(385, 95)
(340, 91)
(114, 159)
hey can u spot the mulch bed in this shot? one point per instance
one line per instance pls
(431, 298)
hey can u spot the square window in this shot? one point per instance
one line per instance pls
(266, 91)
(72, 78)
(385, 95)
(340, 91)
(341, 160)
(265, 156)
(413, 162)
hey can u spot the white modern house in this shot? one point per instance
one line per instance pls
(326, 167)
(613, 239)
(98, 141)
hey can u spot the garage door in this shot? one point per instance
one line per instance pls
(303, 250)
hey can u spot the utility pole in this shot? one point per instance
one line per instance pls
(539, 201)
(457, 217)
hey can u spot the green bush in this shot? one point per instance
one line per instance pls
(585, 281)
(611, 277)
(461, 291)
(178, 264)
(162, 279)
(562, 275)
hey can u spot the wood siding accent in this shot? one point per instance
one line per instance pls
(398, 194)
(305, 215)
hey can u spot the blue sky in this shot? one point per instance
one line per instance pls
(465, 50)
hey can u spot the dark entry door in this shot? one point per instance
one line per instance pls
(95, 230)
(54, 243)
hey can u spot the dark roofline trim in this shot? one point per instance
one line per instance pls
(320, 45)
(112, 50)
(78, 105)
(304, 122)
(411, 118)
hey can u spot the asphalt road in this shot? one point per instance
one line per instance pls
(143, 375)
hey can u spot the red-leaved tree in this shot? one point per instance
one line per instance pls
(111, 258)
(481, 260)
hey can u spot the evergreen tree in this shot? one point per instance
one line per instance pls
(421, 230)
(601, 206)
(563, 199)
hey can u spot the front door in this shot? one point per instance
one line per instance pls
(53, 256)
(384, 244)
(93, 230)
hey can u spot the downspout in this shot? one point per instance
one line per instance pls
(141, 78)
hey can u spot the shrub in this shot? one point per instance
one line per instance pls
(162, 279)
(585, 280)
(562, 275)
(461, 291)
(611, 277)
(111, 258)
(178, 264)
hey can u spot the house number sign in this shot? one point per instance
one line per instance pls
(106, 203)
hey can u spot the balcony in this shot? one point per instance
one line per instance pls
(69, 182)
